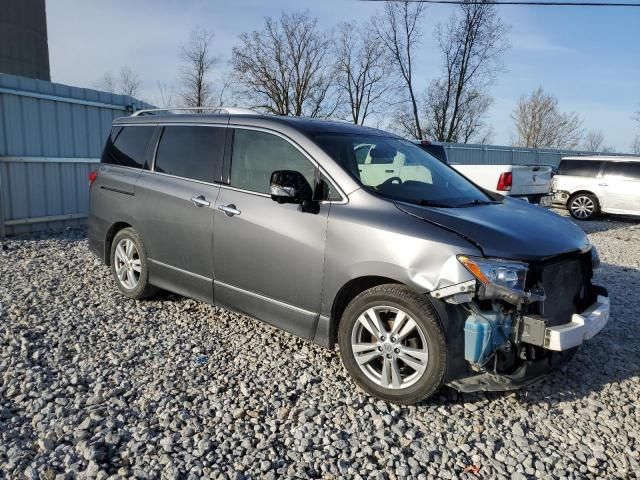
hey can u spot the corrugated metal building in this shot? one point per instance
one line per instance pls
(50, 137)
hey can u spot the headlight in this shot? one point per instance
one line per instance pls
(595, 258)
(502, 274)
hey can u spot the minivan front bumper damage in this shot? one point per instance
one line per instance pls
(581, 327)
(498, 342)
(560, 341)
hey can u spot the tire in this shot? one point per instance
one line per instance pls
(404, 384)
(583, 206)
(135, 281)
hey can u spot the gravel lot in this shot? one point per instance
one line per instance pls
(95, 385)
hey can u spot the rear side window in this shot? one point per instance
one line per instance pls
(630, 170)
(127, 146)
(193, 152)
(579, 168)
(256, 155)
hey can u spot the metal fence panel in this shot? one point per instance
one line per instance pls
(459, 153)
(50, 134)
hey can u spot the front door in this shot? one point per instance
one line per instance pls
(268, 257)
(174, 209)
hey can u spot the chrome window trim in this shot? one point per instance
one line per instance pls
(242, 190)
(211, 184)
(115, 165)
(314, 162)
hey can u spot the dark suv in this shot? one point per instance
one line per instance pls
(421, 277)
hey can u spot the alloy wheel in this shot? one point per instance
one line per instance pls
(582, 207)
(127, 263)
(389, 347)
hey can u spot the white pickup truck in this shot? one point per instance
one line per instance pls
(528, 182)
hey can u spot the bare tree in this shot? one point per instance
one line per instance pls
(223, 92)
(400, 33)
(363, 71)
(594, 142)
(107, 83)
(285, 68)
(635, 146)
(167, 94)
(539, 123)
(129, 82)
(198, 62)
(471, 44)
(125, 82)
(403, 122)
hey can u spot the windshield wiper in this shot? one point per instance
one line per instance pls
(431, 203)
(477, 202)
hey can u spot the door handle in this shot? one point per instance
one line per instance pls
(603, 184)
(229, 210)
(200, 201)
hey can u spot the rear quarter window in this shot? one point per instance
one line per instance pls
(629, 170)
(127, 146)
(579, 168)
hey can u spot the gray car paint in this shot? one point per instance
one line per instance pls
(512, 229)
(269, 260)
(286, 266)
(178, 236)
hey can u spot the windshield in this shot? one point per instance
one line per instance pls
(399, 170)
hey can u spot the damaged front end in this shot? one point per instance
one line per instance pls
(516, 322)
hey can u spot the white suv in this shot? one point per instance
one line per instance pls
(589, 186)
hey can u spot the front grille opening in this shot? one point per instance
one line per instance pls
(567, 285)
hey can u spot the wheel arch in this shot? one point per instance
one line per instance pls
(111, 233)
(451, 318)
(355, 287)
(348, 292)
(572, 195)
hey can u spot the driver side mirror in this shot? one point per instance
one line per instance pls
(290, 186)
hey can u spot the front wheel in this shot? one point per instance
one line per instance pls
(583, 206)
(392, 344)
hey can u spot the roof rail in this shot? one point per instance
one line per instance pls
(213, 110)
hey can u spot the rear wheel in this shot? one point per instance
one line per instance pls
(129, 265)
(583, 206)
(392, 344)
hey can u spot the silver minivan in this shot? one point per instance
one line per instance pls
(420, 277)
(589, 186)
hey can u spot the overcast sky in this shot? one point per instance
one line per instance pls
(588, 57)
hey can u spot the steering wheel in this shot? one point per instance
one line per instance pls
(390, 181)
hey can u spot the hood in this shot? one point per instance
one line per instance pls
(512, 229)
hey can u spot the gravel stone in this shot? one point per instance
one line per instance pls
(95, 385)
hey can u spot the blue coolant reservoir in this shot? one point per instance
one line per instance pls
(485, 332)
(477, 338)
